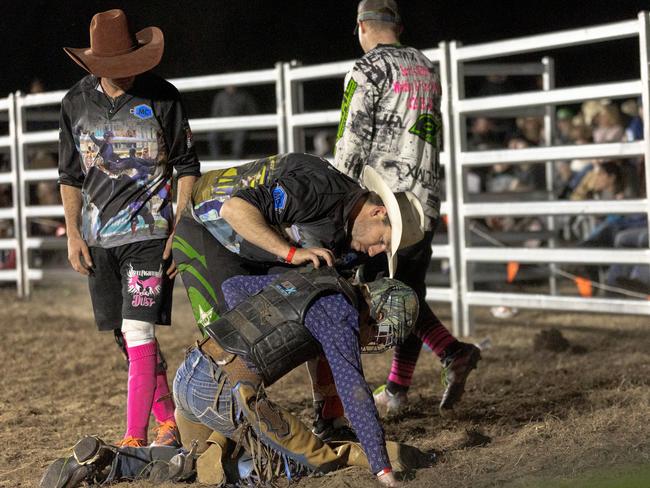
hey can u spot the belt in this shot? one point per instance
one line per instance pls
(234, 367)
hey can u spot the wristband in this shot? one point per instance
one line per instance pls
(383, 472)
(289, 257)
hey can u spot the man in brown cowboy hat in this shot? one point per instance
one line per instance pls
(120, 221)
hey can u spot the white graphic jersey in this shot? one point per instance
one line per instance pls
(390, 120)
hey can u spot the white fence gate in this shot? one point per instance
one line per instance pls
(455, 62)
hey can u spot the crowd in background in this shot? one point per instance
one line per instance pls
(594, 121)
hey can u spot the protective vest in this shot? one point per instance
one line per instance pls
(267, 329)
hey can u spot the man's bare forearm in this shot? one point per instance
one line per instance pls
(250, 224)
(185, 185)
(71, 198)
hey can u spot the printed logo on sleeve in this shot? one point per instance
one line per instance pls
(279, 198)
(142, 111)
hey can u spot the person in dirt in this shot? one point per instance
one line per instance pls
(273, 325)
(390, 121)
(120, 228)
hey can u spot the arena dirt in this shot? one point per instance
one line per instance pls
(530, 416)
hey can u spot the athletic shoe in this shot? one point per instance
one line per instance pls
(130, 441)
(167, 435)
(89, 458)
(389, 403)
(502, 312)
(455, 370)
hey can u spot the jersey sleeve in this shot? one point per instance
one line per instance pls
(355, 132)
(182, 154)
(70, 171)
(334, 324)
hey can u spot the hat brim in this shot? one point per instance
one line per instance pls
(147, 55)
(375, 183)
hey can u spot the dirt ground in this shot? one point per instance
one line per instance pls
(530, 417)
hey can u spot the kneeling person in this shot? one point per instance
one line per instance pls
(276, 323)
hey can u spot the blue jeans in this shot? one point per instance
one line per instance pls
(203, 394)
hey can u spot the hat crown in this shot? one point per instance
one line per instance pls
(110, 34)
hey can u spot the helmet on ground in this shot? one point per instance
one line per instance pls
(394, 308)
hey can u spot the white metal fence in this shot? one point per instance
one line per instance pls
(290, 120)
(463, 159)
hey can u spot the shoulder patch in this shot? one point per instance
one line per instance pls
(142, 111)
(279, 198)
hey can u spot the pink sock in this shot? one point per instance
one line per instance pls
(141, 386)
(162, 409)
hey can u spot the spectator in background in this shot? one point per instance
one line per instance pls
(7, 256)
(634, 128)
(605, 181)
(608, 124)
(531, 129)
(324, 143)
(564, 125)
(36, 86)
(231, 102)
(633, 233)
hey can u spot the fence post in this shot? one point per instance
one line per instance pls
(449, 165)
(280, 104)
(16, 194)
(644, 52)
(548, 83)
(461, 226)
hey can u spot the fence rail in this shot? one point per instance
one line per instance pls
(456, 63)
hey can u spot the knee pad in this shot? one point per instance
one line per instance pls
(137, 332)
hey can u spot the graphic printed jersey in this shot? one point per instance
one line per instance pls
(390, 120)
(122, 154)
(302, 196)
(334, 323)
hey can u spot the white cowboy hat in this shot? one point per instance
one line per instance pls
(404, 212)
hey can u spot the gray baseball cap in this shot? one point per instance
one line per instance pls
(381, 10)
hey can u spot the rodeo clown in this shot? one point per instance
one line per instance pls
(231, 429)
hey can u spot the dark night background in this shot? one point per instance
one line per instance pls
(204, 37)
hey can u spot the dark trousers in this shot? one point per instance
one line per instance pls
(204, 264)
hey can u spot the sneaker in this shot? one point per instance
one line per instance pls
(130, 441)
(389, 403)
(167, 435)
(502, 312)
(86, 465)
(455, 370)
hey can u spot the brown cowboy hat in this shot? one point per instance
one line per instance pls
(114, 52)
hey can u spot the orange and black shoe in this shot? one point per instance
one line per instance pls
(130, 441)
(167, 434)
